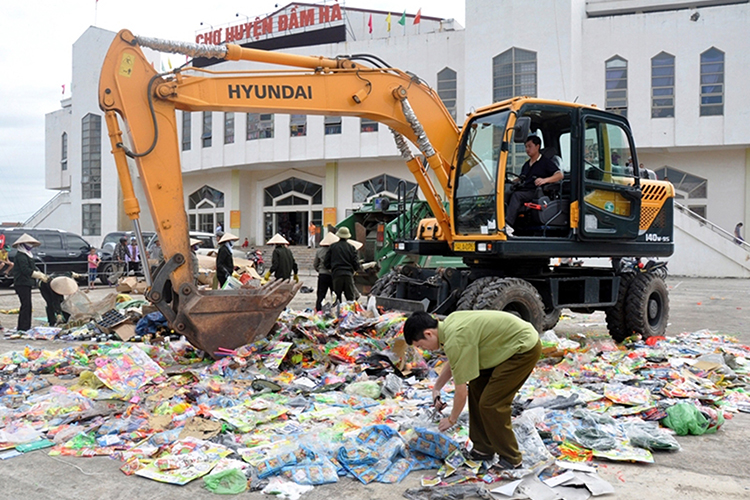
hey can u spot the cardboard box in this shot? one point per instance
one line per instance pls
(126, 285)
(125, 331)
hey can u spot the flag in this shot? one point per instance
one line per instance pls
(369, 23)
(402, 21)
(169, 61)
(63, 89)
(418, 17)
(388, 20)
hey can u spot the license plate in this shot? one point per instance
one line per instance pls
(464, 246)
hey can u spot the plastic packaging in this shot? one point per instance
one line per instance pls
(684, 419)
(370, 389)
(322, 471)
(648, 435)
(227, 482)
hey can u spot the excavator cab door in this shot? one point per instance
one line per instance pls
(610, 194)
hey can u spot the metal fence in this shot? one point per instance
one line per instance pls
(716, 229)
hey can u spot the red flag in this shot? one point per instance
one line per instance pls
(63, 89)
(418, 17)
(369, 23)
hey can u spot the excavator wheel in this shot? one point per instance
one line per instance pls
(618, 329)
(515, 296)
(551, 318)
(385, 286)
(469, 297)
(647, 306)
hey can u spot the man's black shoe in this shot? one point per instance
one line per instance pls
(503, 464)
(479, 456)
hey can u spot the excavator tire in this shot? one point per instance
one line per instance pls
(385, 286)
(618, 329)
(647, 306)
(515, 296)
(551, 318)
(469, 297)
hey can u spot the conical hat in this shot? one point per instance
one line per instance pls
(278, 240)
(62, 285)
(194, 242)
(27, 239)
(228, 237)
(329, 240)
(356, 244)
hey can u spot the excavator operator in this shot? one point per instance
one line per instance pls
(536, 172)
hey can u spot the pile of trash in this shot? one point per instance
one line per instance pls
(326, 396)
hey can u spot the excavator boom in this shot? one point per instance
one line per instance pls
(146, 102)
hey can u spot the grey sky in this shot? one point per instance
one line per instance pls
(35, 54)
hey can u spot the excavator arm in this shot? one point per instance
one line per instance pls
(146, 101)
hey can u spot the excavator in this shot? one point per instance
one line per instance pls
(602, 207)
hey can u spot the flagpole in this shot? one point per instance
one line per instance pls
(96, 11)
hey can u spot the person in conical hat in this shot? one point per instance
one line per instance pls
(54, 293)
(25, 274)
(224, 260)
(343, 262)
(325, 280)
(282, 260)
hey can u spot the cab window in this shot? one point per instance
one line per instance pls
(75, 242)
(50, 241)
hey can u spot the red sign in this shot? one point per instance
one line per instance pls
(276, 25)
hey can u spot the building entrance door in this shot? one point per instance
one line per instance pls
(293, 226)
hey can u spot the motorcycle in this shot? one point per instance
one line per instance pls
(256, 256)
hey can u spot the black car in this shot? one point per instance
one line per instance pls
(60, 251)
(108, 271)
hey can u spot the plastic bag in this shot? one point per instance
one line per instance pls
(685, 418)
(530, 444)
(370, 389)
(228, 482)
(431, 443)
(648, 435)
(314, 473)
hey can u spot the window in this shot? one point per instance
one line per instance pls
(282, 193)
(616, 74)
(259, 126)
(207, 129)
(476, 180)
(186, 123)
(91, 220)
(332, 125)
(712, 82)
(64, 152)
(446, 87)
(686, 186)
(50, 241)
(367, 125)
(378, 186)
(662, 86)
(203, 209)
(228, 128)
(513, 74)
(91, 157)
(298, 125)
(74, 242)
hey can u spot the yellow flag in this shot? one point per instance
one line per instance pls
(388, 20)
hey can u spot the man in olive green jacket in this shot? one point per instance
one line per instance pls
(494, 352)
(25, 274)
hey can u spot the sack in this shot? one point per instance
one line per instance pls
(685, 418)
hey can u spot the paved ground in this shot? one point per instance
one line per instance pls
(708, 467)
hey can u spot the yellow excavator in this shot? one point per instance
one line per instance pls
(601, 207)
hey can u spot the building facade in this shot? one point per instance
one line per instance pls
(676, 69)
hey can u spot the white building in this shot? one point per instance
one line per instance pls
(678, 70)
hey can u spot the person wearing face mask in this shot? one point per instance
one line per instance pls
(25, 273)
(224, 260)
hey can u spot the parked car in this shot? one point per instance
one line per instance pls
(108, 271)
(208, 245)
(59, 252)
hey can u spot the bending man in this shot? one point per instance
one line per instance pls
(494, 352)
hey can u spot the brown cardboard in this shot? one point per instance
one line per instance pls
(125, 331)
(126, 285)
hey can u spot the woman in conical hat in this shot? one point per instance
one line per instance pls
(25, 274)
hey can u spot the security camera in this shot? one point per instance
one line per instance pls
(695, 16)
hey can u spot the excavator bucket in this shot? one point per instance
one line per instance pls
(228, 319)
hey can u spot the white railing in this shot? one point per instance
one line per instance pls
(713, 227)
(46, 206)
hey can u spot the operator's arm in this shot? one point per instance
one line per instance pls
(550, 173)
(556, 177)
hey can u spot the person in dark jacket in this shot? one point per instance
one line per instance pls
(224, 260)
(25, 274)
(282, 260)
(342, 261)
(325, 280)
(54, 293)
